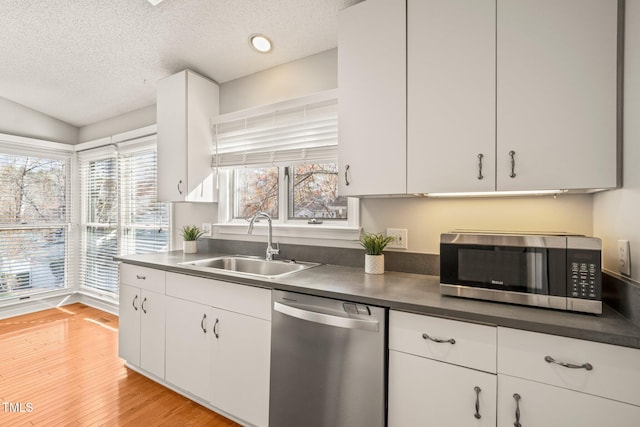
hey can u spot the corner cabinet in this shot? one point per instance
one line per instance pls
(186, 102)
(372, 92)
(142, 318)
(451, 373)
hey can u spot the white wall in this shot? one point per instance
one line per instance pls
(132, 120)
(315, 73)
(16, 119)
(426, 219)
(616, 214)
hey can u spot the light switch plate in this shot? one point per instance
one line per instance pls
(400, 236)
(624, 259)
(206, 229)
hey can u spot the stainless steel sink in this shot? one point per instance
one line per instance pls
(237, 265)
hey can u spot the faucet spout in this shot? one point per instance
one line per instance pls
(270, 250)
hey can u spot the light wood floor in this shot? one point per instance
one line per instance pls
(61, 367)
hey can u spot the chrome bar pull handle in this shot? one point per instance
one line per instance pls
(133, 303)
(477, 414)
(513, 164)
(142, 306)
(480, 156)
(215, 328)
(438, 340)
(204, 329)
(139, 277)
(587, 366)
(180, 186)
(516, 396)
(346, 175)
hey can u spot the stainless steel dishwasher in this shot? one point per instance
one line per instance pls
(328, 363)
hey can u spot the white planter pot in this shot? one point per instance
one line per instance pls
(190, 246)
(374, 264)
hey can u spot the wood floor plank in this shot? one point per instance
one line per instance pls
(61, 367)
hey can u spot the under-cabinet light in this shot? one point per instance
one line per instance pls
(497, 193)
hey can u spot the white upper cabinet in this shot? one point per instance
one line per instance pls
(556, 94)
(186, 102)
(497, 95)
(451, 95)
(372, 91)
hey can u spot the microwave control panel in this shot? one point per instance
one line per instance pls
(585, 277)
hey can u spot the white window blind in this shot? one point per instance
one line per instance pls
(34, 220)
(121, 215)
(99, 194)
(290, 134)
(144, 221)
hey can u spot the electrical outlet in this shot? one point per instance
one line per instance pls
(624, 258)
(399, 238)
(206, 229)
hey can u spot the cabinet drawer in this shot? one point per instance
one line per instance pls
(614, 372)
(242, 299)
(474, 347)
(142, 277)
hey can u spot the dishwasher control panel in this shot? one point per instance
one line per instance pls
(353, 308)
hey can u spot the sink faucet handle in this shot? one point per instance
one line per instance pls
(277, 249)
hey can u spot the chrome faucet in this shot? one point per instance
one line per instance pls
(270, 250)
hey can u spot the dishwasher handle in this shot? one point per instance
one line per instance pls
(326, 319)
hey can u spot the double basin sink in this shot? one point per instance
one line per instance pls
(245, 266)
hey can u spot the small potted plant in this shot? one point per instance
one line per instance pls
(190, 235)
(374, 244)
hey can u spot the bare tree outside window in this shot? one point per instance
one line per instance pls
(314, 193)
(33, 223)
(255, 190)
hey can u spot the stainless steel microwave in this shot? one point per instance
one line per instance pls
(545, 270)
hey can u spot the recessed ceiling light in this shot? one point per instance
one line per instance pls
(260, 43)
(155, 2)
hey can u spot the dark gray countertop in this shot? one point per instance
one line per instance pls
(419, 294)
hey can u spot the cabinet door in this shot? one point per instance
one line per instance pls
(556, 94)
(152, 332)
(542, 405)
(202, 105)
(240, 370)
(426, 392)
(129, 324)
(188, 346)
(171, 117)
(372, 90)
(451, 95)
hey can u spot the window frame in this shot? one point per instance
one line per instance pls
(106, 148)
(348, 229)
(30, 147)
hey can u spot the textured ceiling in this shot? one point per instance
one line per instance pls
(83, 61)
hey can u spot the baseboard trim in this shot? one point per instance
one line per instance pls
(39, 303)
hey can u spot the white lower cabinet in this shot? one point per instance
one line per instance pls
(218, 355)
(426, 392)
(531, 404)
(441, 372)
(240, 366)
(542, 380)
(188, 353)
(141, 338)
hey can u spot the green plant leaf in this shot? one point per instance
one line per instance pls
(191, 232)
(374, 243)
